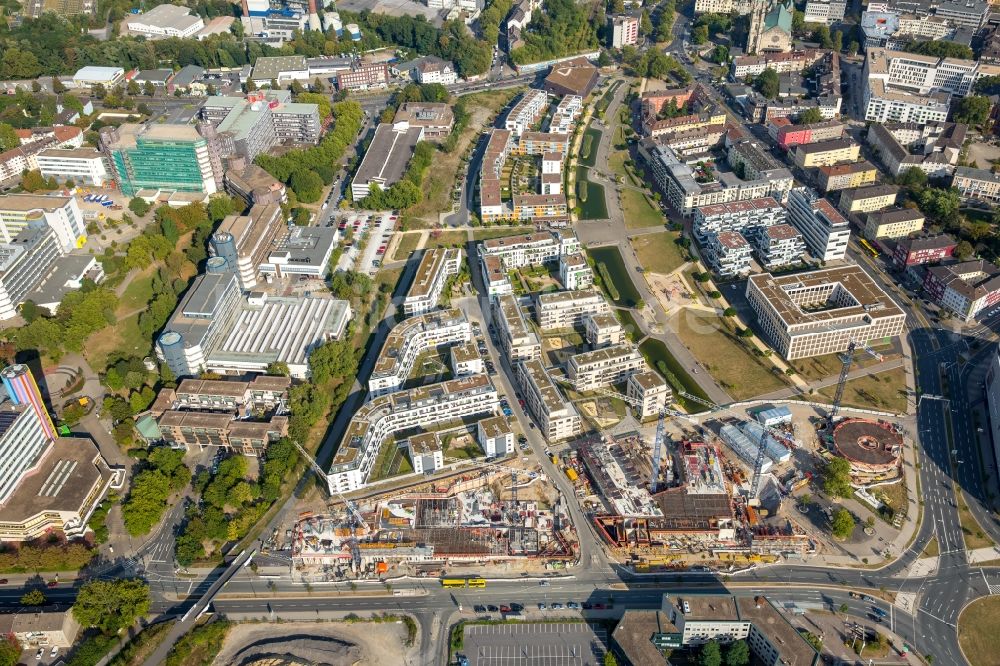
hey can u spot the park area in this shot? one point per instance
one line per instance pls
(659, 252)
(977, 631)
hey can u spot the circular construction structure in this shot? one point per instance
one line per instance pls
(873, 448)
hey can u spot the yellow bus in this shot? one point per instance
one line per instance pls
(868, 248)
(463, 582)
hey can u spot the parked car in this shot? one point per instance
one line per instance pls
(504, 608)
(479, 608)
(493, 609)
(573, 605)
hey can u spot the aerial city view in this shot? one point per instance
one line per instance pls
(500, 332)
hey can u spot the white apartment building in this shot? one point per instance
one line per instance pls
(650, 391)
(426, 452)
(408, 340)
(566, 309)
(424, 406)
(466, 360)
(825, 231)
(24, 263)
(825, 11)
(883, 105)
(728, 253)
(564, 117)
(61, 213)
(722, 6)
(574, 271)
(84, 166)
(495, 436)
(530, 249)
(821, 312)
(777, 246)
(604, 367)
(603, 330)
(624, 31)
(517, 340)
(526, 112)
(556, 416)
(495, 277)
(736, 216)
(436, 266)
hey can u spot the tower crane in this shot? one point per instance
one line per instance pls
(847, 358)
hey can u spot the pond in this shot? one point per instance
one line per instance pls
(627, 295)
(660, 358)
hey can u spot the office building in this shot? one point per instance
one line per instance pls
(364, 77)
(24, 263)
(517, 340)
(894, 223)
(825, 11)
(216, 328)
(263, 393)
(411, 338)
(566, 309)
(741, 7)
(884, 105)
(728, 254)
(22, 390)
(962, 13)
(821, 312)
(923, 250)
(965, 288)
(825, 231)
(300, 251)
(932, 147)
(387, 157)
(281, 69)
(84, 166)
(826, 153)
(425, 406)
(650, 391)
(247, 127)
(437, 119)
(868, 199)
(556, 416)
(624, 31)
(252, 185)
(777, 246)
(977, 184)
(163, 21)
(23, 443)
(737, 216)
(62, 214)
(495, 437)
(245, 241)
(575, 272)
(843, 176)
(603, 367)
(436, 267)
(160, 157)
(893, 30)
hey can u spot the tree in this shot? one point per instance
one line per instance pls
(720, 55)
(111, 605)
(738, 654)
(58, 87)
(10, 651)
(837, 478)
(838, 41)
(941, 49)
(700, 34)
(852, 48)
(308, 186)
(30, 311)
(33, 598)
(645, 25)
(988, 85)
(842, 525)
(132, 87)
(278, 368)
(32, 181)
(844, 608)
(767, 83)
(610, 659)
(964, 250)
(973, 110)
(139, 206)
(810, 115)
(148, 89)
(710, 654)
(913, 179)
(8, 138)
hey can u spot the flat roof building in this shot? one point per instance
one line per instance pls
(517, 340)
(244, 241)
(436, 267)
(556, 416)
(825, 231)
(566, 309)
(387, 157)
(163, 21)
(602, 367)
(436, 118)
(408, 340)
(161, 157)
(303, 251)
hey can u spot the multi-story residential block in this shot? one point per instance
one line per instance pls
(933, 148)
(466, 360)
(24, 263)
(540, 143)
(825, 11)
(788, 135)
(432, 69)
(566, 309)
(884, 105)
(539, 206)
(188, 429)
(426, 452)
(794, 61)
(244, 241)
(826, 153)
(978, 184)
(436, 118)
(604, 367)
(385, 161)
(424, 406)
(624, 31)
(161, 157)
(575, 272)
(962, 13)
(526, 112)
(821, 312)
(84, 166)
(530, 249)
(751, 158)
(264, 393)
(722, 6)
(364, 77)
(966, 288)
(62, 214)
(868, 199)
(408, 340)
(494, 276)
(436, 266)
(556, 416)
(564, 117)
(923, 250)
(728, 254)
(844, 176)
(892, 224)
(603, 330)
(517, 340)
(777, 246)
(495, 436)
(650, 391)
(737, 216)
(826, 232)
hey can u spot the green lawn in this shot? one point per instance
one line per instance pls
(137, 294)
(659, 253)
(590, 197)
(406, 245)
(977, 631)
(124, 337)
(875, 391)
(829, 365)
(639, 213)
(459, 238)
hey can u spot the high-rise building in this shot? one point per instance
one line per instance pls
(23, 390)
(63, 214)
(160, 157)
(624, 31)
(23, 444)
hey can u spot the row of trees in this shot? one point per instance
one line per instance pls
(654, 64)
(163, 474)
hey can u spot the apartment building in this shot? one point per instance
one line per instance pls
(923, 250)
(426, 452)
(84, 166)
(978, 184)
(24, 263)
(564, 117)
(495, 436)
(603, 330)
(495, 278)
(62, 214)
(650, 391)
(566, 309)
(244, 241)
(364, 77)
(821, 312)
(728, 254)
(436, 266)
(189, 429)
(425, 406)
(826, 153)
(264, 393)
(966, 288)
(868, 199)
(722, 6)
(782, 63)
(883, 104)
(788, 135)
(466, 360)
(539, 206)
(969, 14)
(737, 216)
(517, 340)
(530, 249)
(825, 11)
(408, 340)
(526, 112)
(777, 246)
(624, 31)
(604, 367)
(893, 224)
(156, 157)
(574, 272)
(556, 416)
(843, 176)
(933, 148)
(825, 231)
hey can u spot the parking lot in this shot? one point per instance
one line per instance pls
(536, 644)
(373, 231)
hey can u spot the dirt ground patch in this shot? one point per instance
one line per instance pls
(364, 643)
(603, 412)
(875, 391)
(669, 290)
